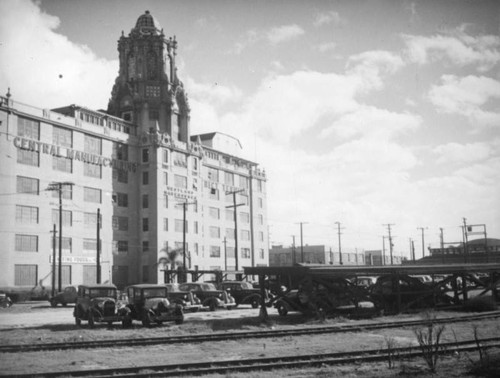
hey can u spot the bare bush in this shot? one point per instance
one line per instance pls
(429, 339)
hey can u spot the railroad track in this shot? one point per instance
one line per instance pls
(17, 348)
(269, 363)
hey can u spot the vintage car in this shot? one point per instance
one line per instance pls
(68, 295)
(364, 281)
(209, 296)
(98, 304)
(188, 300)
(243, 292)
(149, 304)
(289, 302)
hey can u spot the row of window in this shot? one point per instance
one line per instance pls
(30, 243)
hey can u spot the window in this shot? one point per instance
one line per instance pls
(66, 244)
(261, 219)
(62, 137)
(120, 151)
(245, 235)
(28, 128)
(261, 236)
(261, 203)
(195, 227)
(165, 200)
(165, 224)
(120, 175)
(28, 157)
(214, 212)
(67, 217)
(261, 254)
(179, 159)
(26, 214)
(245, 217)
(229, 178)
(213, 174)
(62, 164)
(229, 214)
(92, 195)
(90, 220)
(214, 251)
(26, 243)
(214, 232)
(92, 145)
(195, 164)
(214, 193)
(145, 155)
(66, 192)
(145, 246)
(165, 156)
(145, 224)
(165, 178)
(180, 181)
(89, 245)
(260, 186)
(145, 178)
(120, 199)
(230, 233)
(120, 223)
(230, 253)
(179, 225)
(25, 275)
(244, 183)
(145, 201)
(27, 185)
(245, 253)
(120, 246)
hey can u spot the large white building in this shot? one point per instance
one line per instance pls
(137, 166)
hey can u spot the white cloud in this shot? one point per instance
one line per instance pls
(284, 33)
(466, 96)
(48, 62)
(326, 47)
(462, 153)
(459, 48)
(370, 65)
(331, 17)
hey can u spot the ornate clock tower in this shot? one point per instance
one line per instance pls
(147, 90)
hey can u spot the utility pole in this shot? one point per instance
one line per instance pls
(413, 249)
(340, 245)
(412, 253)
(225, 253)
(423, 242)
(293, 250)
(98, 248)
(234, 206)
(466, 241)
(58, 186)
(54, 260)
(441, 243)
(184, 206)
(383, 250)
(390, 240)
(301, 243)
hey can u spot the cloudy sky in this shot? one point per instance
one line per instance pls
(366, 113)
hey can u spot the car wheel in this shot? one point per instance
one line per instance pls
(255, 303)
(78, 321)
(53, 303)
(146, 319)
(91, 320)
(213, 306)
(64, 304)
(282, 310)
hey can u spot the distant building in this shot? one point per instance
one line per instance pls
(313, 254)
(379, 258)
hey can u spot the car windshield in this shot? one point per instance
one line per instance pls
(246, 285)
(172, 288)
(155, 292)
(102, 292)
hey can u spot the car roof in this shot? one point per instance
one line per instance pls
(147, 286)
(98, 286)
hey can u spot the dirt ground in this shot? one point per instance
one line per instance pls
(38, 322)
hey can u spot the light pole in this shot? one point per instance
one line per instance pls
(58, 186)
(184, 205)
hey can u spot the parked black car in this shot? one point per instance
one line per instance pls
(98, 304)
(68, 295)
(149, 304)
(188, 300)
(243, 292)
(209, 296)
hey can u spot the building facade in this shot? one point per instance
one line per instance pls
(313, 254)
(129, 190)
